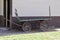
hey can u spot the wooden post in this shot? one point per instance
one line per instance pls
(10, 13)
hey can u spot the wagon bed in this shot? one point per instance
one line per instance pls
(22, 19)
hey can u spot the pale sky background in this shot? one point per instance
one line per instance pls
(55, 7)
(1, 7)
(34, 7)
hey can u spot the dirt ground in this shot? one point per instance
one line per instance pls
(5, 31)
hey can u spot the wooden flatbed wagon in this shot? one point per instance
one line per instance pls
(28, 22)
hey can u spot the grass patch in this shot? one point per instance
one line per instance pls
(33, 36)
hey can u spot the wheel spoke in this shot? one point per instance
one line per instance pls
(43, 26)
(26, 27)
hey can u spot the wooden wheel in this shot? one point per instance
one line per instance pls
(26, 27)
(44, 26)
